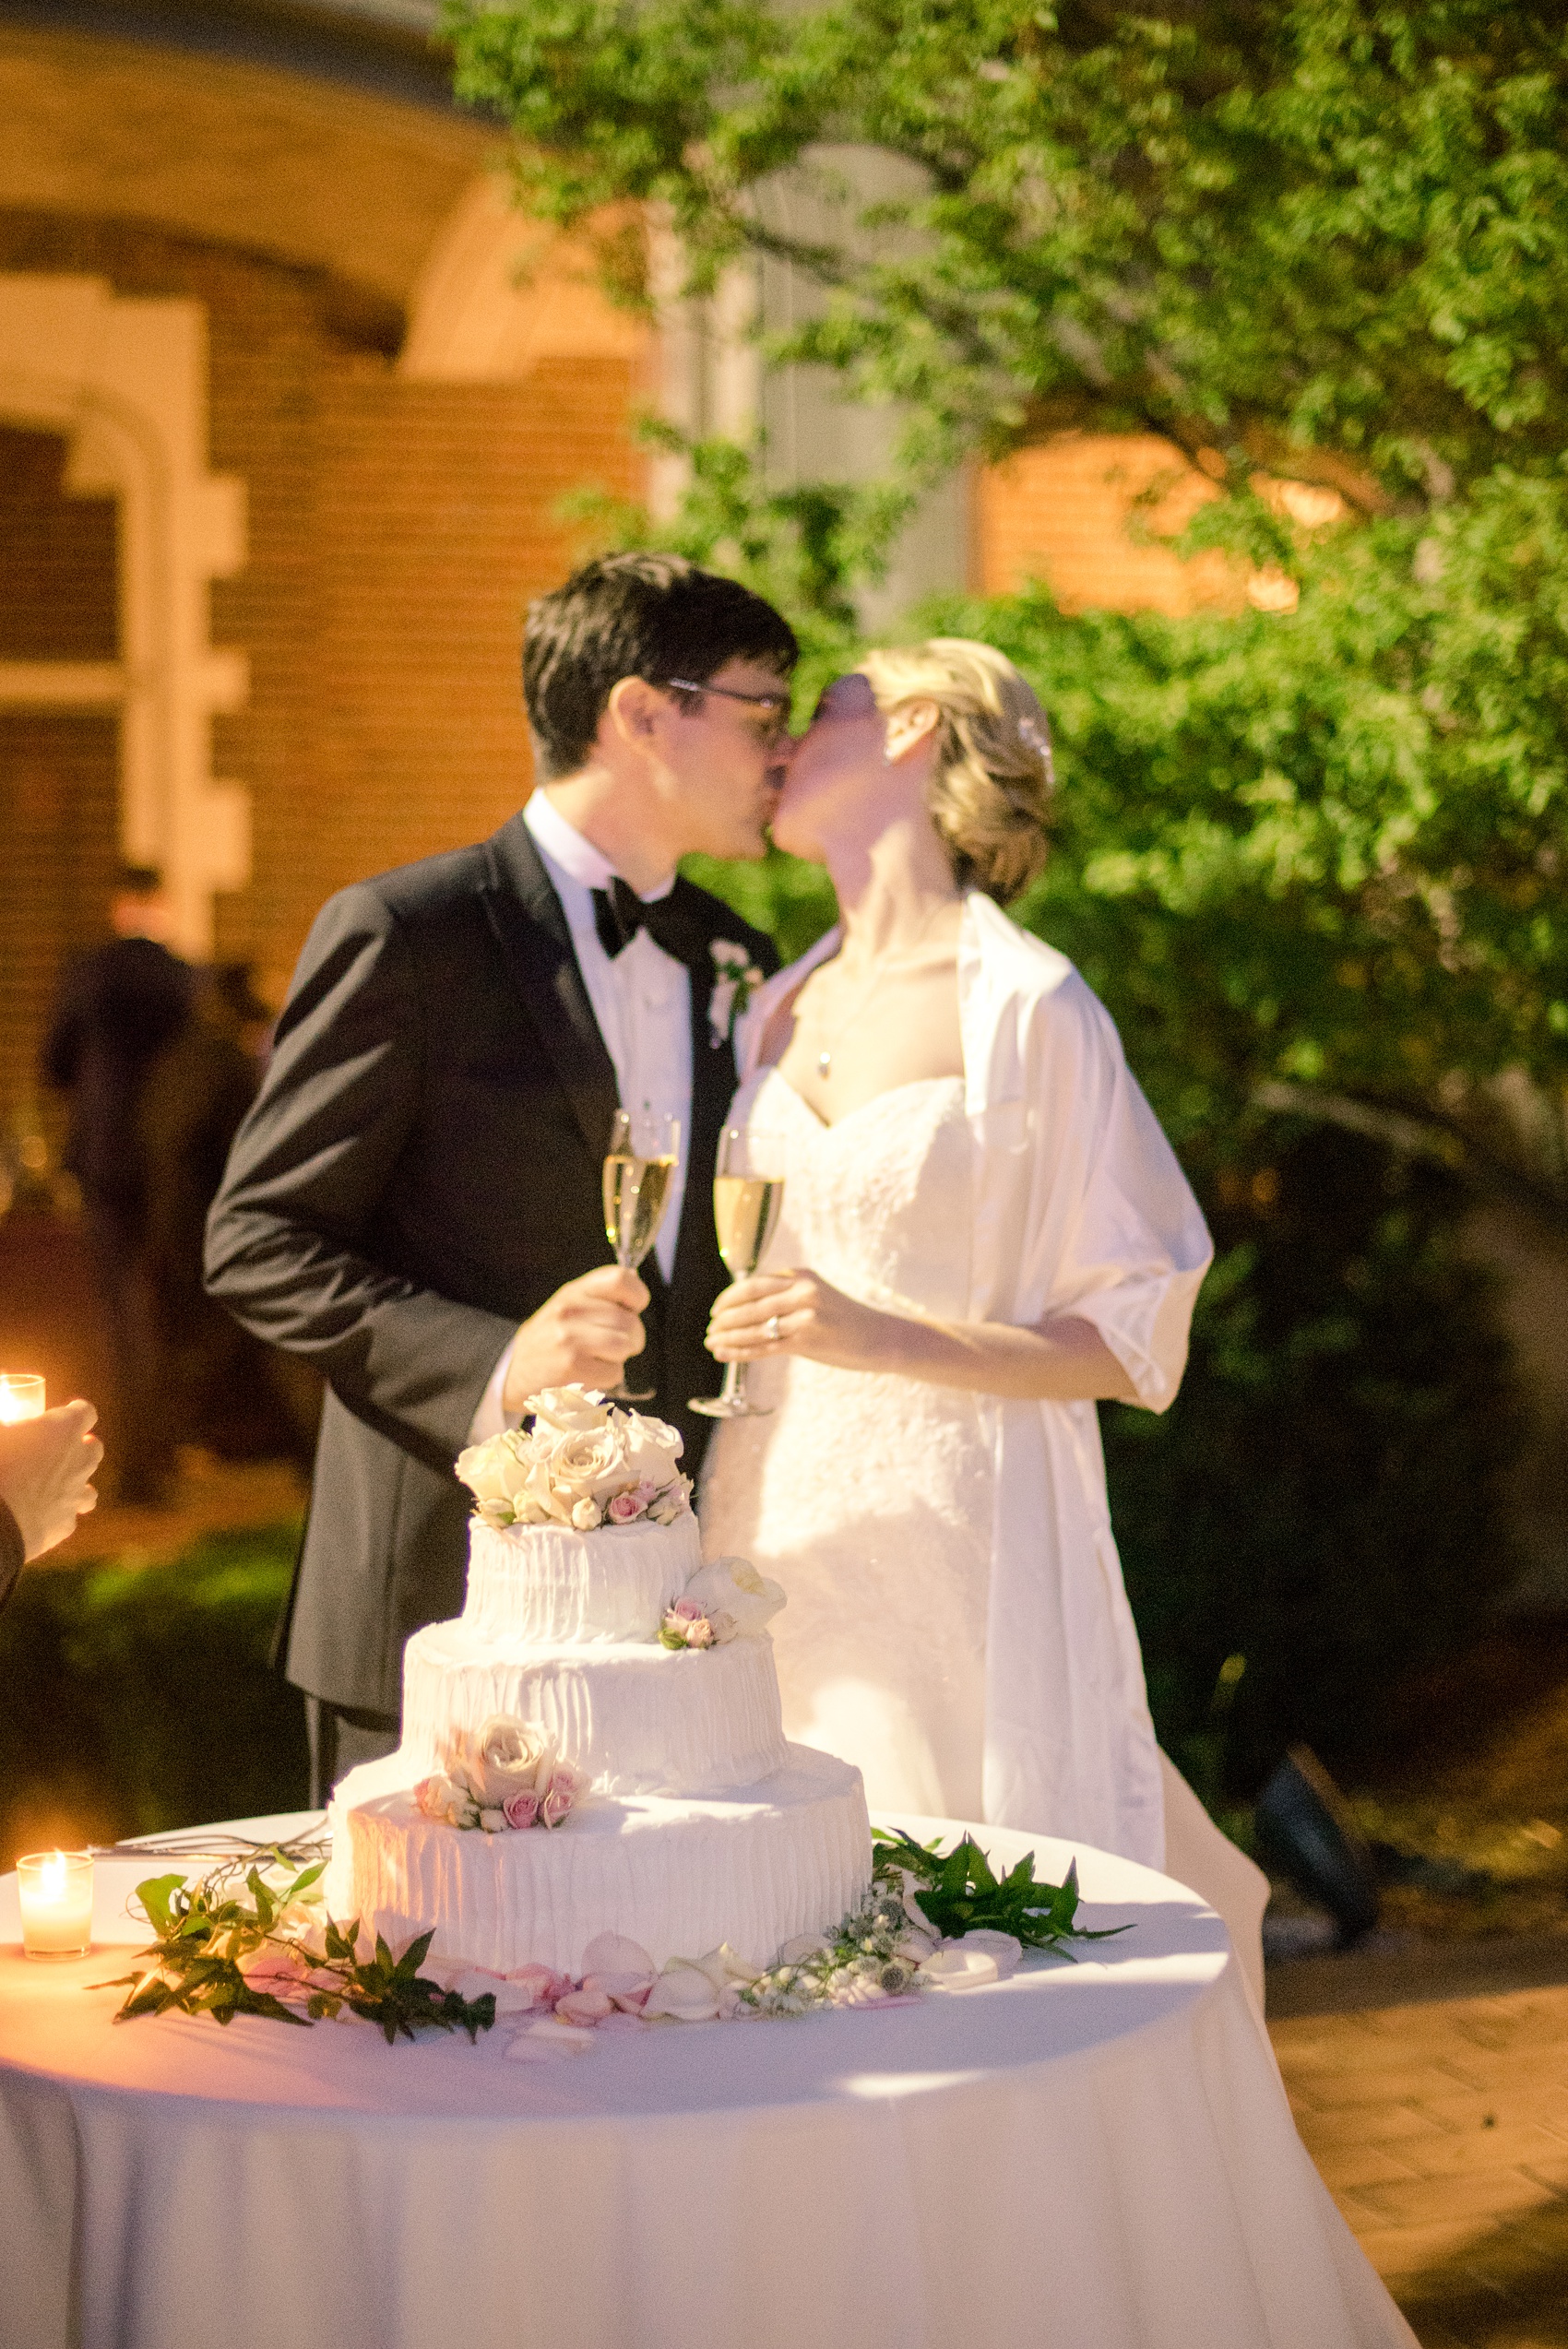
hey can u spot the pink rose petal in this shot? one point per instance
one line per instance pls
(584, 2007)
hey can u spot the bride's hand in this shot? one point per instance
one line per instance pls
(793, 1313)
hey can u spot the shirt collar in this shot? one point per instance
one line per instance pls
(576, 856)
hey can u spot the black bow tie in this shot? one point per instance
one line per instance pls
(619, 913)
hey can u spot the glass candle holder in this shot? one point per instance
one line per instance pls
(21, 1396)
(55, 1893)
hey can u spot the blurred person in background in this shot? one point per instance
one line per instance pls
(46, 1470)
(118, 1007)
(225, 1390)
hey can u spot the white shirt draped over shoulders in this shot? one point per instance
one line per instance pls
(1079, 1207)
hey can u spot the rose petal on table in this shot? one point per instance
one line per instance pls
(586, 2007)
(956, 1967)
(1007, 1951)
(545, 2040)
(616, 1953)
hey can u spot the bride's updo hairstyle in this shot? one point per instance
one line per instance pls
(991, 793)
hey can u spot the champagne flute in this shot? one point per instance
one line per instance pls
(748, 1191)
(639, 1169)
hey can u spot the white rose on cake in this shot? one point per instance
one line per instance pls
(582, 1464)
(731, 1586)
(567, 1410)
(496, 1473)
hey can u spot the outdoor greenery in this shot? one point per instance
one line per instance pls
(1324, 241)
(139, 1697)
(1311, 856)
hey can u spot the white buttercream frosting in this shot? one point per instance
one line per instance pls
(755, 1869)
(544, 1583)
(637, 1718)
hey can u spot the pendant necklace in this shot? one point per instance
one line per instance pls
(886, 963)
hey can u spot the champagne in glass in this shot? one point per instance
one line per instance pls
(639, 1171)
(748, 1192)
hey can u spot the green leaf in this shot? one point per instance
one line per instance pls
(157, 1896)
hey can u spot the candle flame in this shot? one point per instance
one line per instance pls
(52, 1876)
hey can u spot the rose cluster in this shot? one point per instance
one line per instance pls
(726, 1600)
(582, 1464)
(507, 1776)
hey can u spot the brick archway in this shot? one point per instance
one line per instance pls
(125, 381)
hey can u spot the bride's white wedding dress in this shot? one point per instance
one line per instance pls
(956, 1622)
(870, 1498)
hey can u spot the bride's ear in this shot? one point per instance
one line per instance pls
(911, 724)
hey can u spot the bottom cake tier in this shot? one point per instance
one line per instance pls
(753, 1867)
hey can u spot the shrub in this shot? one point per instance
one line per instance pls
(141, 1697)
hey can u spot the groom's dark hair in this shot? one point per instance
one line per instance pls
(654, 616)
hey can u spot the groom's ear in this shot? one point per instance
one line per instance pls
(635, 711)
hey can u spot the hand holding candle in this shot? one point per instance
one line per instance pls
(55, 1893)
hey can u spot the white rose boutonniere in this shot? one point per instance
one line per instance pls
(735, 978)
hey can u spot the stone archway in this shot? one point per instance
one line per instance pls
(125, 381)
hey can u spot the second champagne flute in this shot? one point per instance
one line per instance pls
(639, 1169)
(748, 1191)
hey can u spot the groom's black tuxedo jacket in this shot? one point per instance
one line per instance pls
(420, 1171)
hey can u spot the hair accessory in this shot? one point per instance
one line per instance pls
(1037, 738)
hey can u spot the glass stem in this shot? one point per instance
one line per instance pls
(734, 1387)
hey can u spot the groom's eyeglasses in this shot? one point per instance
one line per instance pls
(774, 721)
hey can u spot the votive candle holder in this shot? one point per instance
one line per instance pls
(55, 1890)
(21, 1396)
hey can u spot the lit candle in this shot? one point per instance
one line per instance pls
(21, 1396)
(55, 1893)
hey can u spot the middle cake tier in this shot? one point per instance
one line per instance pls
(639, 1719)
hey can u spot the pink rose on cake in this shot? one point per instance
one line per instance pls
(685, 1625)
(508, 1775)
(559, 1793)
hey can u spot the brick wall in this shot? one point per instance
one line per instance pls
(1068, 512)
(396, 531)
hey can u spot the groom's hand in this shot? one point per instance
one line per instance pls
(581, 1336)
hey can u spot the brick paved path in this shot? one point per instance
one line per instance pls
(1441, 2130)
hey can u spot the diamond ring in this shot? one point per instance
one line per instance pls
(773, 1332)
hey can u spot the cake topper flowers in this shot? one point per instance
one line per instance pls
(583, 1463)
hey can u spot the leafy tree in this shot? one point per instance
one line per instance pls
(1311, 858)
(1316, 855)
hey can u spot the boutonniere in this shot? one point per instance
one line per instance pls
(735, 978)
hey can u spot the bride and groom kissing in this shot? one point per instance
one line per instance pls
(984, 1231)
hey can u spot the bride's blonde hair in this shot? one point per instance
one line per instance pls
(992, 791)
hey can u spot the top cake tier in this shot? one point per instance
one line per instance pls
(542, 1583)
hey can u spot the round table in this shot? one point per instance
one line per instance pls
(1096, 2156)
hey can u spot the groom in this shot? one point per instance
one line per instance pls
(413, 1204)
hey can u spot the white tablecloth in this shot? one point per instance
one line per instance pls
(1097, 2157)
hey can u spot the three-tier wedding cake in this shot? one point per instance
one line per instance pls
(596, 1744)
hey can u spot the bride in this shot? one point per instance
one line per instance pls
(986, 1233)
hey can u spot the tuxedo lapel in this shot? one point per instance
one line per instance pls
(531, 931)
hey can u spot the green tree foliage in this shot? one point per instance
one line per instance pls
(1327, 237)
(1313, 860)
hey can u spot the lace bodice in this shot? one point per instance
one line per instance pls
(878, 1203)
(869, 1496)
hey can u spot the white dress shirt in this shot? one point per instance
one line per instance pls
(642, 1001)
